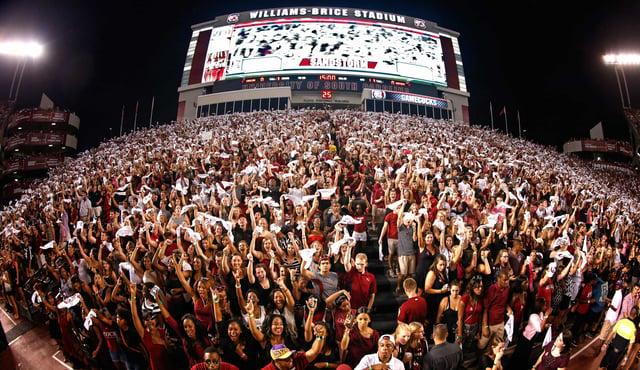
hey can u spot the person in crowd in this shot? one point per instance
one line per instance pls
(619, 343)
(492, 357)
(495, 306)
(448, 310)
(417, 347)
(361, 283)
(213, 361)
(359, 339)
(415, 307)
(611, 316)
(555, 355)
(443, 355)
(154, 338)
(402, 336)
(536, 324)
(282, 358)
(436, 286)
(384, 356)
(193, 335)
(407, 236)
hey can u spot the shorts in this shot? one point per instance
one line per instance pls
(606, 329)
(96, 211)
(378, 215)
(360, 237)
(393, 246)
(407, 264)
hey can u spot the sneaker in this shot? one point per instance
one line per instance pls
(390, 273)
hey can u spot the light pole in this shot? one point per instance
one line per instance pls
(619, 61)
(22, 50)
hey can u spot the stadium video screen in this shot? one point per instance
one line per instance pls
(321, 45)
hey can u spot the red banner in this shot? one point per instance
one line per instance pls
(35, 139)
(39, 116)
(28, 164)
(607, 147)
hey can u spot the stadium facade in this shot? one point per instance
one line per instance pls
(295, 57)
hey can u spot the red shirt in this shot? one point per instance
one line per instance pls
(585, 296)
(362, 226)
(392, 228)
(496, 303)
(299, 362)
(545, 292)
(362, 286)
(378, 193)
(472, 312)
(223, 366)
(414, 309)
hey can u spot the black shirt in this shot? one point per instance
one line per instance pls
(443, 356)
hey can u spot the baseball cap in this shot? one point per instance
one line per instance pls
(388, 337)
(347, 187)
(280, 352)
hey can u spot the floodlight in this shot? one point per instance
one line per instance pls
(19, 48)
(622, 59)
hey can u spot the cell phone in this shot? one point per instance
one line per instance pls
(313, 302)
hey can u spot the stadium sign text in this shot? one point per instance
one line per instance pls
(336, 12)
(409, 98)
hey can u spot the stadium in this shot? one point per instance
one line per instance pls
(322, 201)
(318, 57)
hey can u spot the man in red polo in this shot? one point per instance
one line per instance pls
(495, 305)
(363, 284)
(415, 308)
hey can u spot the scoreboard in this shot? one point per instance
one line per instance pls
(313, 45)
(322, 54)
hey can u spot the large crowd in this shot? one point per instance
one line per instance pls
(242, 241)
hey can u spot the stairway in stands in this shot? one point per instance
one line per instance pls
(385, 307)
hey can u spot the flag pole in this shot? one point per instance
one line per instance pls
(135, 119)
(491, 112)
(153, 100)
(519, 126)
(506, 125)
(121, 119)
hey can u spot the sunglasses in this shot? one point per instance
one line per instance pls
(209, 362)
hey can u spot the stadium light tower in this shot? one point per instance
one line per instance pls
(22, 50)
(619, 61)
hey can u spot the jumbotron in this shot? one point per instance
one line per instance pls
(283, 57)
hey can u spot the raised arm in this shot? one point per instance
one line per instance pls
(134, 310)
(257, 334)
(183, 280)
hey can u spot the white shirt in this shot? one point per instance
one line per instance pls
(616, 301)
(373, 359)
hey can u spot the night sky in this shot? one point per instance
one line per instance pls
(535, 57)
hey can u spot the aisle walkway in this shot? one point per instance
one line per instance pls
(30, 346)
